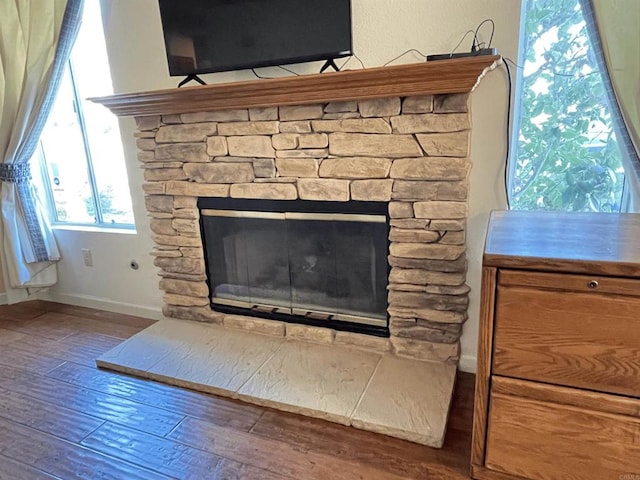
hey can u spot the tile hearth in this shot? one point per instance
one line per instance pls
(399, 397)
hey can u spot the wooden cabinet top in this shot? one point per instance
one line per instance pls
(594, 243)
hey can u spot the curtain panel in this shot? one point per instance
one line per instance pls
(614, 31)
(36, 37)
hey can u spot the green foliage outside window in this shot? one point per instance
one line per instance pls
(566, 156)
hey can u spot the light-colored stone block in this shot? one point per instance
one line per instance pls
(431, 168)
(413, 236)
(373, 145)
(340, 115)
(427, 314)
(185, 202)
(359, 340)
(397, 402)
(455, 102)
(431, 122)
(379, 107)
(171, 119)
(440, 210)
(425, 277)
(345, 106)
(323, 189)
(450, 225)
(418, 104)
(163, 174)
(453, 238)
(189, 266)
(297, 167)
(257, 325)
(263, 113)
(217, 146)
(145, 143)
(309, 153)
(352, 125)
(197, 189)
(148, 122)
(194, 289)
(355, 167)
(267, 191)
(430, 351)
(264, 167)
(449, 303)
(251, 146)
(300, 112)
(371, 190)
(217, 116)
(248, 128)
(191, 252)
(186, 226)
(182, 152)
(193, 132)
(416, 190)
(309, 333)
(409, 222)
(145, 156)
(300, 126)
(219, 172)
(162, 226)
(400, 210)
(285, 141)
(154, 188)
(450, 144)
(313, 140)
(197, 314)
(185, 300)
(432, 251)
(159, 203)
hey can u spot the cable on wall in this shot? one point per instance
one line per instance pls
(508, 129)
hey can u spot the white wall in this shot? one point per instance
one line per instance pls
(382, 29)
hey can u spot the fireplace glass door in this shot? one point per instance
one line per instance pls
(314, 266)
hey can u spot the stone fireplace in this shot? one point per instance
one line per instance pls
(409, 153)
(313, 227)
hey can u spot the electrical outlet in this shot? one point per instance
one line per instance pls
(87, 258)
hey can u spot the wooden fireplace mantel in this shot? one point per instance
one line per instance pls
(443, 76)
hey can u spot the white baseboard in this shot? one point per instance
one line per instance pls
(103, 304)
(467, 363)
(3, 299)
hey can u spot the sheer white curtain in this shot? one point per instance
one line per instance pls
(614, 28)
(35, 40)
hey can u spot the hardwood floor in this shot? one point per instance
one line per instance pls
(62, 418)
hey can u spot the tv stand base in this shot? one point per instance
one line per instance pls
(330, 63)
(189, 78)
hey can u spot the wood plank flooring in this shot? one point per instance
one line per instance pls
(62, 418)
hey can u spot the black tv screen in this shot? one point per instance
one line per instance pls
(203, 36)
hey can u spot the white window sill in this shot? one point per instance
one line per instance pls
(94, 229)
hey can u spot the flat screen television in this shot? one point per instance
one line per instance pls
(204, 36)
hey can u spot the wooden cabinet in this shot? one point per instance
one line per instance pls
(558, 378)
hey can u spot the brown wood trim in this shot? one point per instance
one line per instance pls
(444, 76)
(483, 370)
(566, 396)
(571, 283)
(593, 267)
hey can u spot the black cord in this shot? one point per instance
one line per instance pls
(287, 70)
(462, 40)
(507, 160)
(475, 44)
(256, 74)
(404, 53)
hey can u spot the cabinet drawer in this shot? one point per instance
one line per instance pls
(578, 338)
(540, 439)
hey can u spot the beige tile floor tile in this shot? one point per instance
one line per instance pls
(407, 399)
(222, 359)
(315, 380)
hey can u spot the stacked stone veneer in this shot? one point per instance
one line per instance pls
(411, 152)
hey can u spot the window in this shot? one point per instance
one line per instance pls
(565, 154)
(83, 169)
